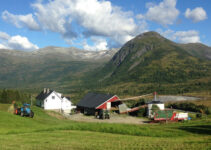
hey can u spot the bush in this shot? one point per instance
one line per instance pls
(191, 107)
(198, 115)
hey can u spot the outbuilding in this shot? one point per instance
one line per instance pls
(92, 102)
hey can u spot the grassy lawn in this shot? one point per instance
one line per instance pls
(47, 132)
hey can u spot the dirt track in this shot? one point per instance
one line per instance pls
(114, 118)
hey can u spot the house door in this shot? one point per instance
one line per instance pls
(109, 105)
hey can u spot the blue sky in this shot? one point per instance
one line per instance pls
(100, 24)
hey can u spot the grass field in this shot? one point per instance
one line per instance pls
(47, 132)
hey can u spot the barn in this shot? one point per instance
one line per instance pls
(92, 102)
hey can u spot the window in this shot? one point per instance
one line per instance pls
(53, 97)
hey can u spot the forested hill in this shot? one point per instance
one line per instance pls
(151, 62)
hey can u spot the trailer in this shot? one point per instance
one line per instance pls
(169, 115)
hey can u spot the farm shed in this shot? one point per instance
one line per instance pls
(93, 102)
(52, 100)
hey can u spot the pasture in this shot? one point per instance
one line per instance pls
(47, 132)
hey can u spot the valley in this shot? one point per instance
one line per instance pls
(145, 64)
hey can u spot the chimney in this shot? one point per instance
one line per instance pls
(155, 96)
(44, 90)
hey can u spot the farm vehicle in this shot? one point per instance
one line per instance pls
(169, 115)
(25, 110)
(102, 114)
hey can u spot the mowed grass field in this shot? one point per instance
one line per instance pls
(47, 132)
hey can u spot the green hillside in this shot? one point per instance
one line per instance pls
(151, 62)
(48, 132)
(47, 72)
(48, 67)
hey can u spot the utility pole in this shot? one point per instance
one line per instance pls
(31, 100)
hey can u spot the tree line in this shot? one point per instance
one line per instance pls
(7, 96)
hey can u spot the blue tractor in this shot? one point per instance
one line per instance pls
(25, 111)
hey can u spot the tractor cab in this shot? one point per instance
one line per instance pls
(26, 107)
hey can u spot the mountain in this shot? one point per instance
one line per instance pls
(58, 53)
(150, 60)
(50, 66)
(147, 63)
(198, 50)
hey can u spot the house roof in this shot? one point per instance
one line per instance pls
(43, 95)
(92, 100)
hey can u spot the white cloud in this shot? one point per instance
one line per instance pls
(140, 16)
(165, 13)
(4, 36)
(83, 19)
(97, 18)
(19, 42)
(3, 46)
(196, 15)
(190, 36)
(99, 44)
(16, 42)
(21, 20)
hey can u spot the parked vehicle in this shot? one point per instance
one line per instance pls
(169, 115)
(25, 110)
(102, 114)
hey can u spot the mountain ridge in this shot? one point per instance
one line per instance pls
(150, 59)
(65, 53)
(145, 63)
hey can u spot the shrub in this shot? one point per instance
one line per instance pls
(191, 107)
(198, 115)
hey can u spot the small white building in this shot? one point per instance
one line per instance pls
(159, 104)
(52, 100)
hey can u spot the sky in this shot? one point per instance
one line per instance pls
(100, 24)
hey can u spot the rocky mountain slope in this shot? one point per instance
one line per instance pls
(152, 60)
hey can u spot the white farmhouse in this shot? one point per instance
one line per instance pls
(52, 100)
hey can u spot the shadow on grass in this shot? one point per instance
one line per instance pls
(200, 129)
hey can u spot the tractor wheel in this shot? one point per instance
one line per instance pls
(31, 114)
(22, 114)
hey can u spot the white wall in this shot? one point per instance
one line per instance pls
(52, 102)
(58, 103)
(160, 106)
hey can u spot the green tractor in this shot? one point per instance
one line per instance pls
(104, 114)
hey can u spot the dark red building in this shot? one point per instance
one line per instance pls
(95, 101)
